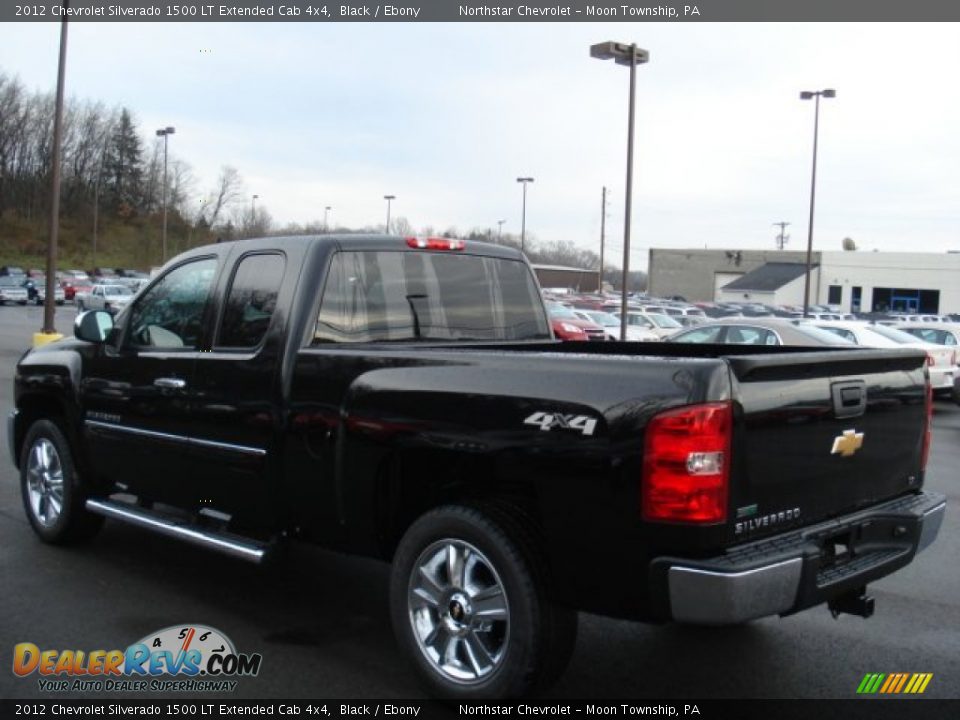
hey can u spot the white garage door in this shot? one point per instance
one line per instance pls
(722, 278)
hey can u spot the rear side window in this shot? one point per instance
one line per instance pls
(251, 300)
(395, 296)
(701, 335)
(743, 335)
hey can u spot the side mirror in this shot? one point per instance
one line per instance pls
(93, 326)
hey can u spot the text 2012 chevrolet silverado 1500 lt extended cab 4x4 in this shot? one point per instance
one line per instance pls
(403, 398)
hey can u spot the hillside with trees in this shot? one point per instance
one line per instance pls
(112, 194)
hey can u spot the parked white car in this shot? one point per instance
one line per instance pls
(12, 291)
(939, 333)
(112, 298)
(611, 325)
(942, 360)
(661, 325)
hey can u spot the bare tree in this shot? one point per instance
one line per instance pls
(402, 227)
(228, 191)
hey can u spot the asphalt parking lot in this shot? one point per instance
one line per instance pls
(321, 622)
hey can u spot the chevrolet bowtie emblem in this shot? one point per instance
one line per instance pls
(848, 443)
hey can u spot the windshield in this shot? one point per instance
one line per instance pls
(824, 337)
(605, 319)
(898, 336)
(401, 296)
(665, 321)
(561, 312)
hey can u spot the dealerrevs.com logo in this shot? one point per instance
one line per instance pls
(180, 658)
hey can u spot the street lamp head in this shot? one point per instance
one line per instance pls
(169, 130)
(389, 197)
(809, 94)
(620, 53)
(524, 179)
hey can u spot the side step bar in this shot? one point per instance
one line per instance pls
(238, 547)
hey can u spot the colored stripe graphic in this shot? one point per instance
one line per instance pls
(894, 683)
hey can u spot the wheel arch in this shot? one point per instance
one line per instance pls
(44, 405)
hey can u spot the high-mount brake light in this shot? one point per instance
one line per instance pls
(435, 243)
(686, 464)
(927, 426)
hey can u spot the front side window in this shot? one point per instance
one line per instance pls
(170, 314)
(408, 296)
(251, 300)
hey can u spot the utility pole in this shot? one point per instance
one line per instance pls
(603, 230)
(781, 238)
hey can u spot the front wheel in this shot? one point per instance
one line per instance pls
(53, 494)
(470, 606)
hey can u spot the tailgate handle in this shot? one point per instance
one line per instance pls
(849, 398)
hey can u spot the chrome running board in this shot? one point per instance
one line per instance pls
(238, 547)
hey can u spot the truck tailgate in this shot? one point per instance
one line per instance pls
(820, 438)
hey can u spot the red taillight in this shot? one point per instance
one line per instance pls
(931, 361)
(927, 427)
(435, 243)
(686, 464)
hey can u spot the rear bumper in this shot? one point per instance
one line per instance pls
(943, 378)
(797, 570)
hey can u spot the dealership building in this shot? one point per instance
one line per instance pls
(856, 281)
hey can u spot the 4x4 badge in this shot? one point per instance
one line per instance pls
(847, 443)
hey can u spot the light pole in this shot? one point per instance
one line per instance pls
(49, 329)
(815, 95)
(500, 230)
(603, 234)
(326, 211)
(631, 55)
(165, 133)
(389, 198)
(523, 220)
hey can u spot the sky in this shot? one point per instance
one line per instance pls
(447, 116)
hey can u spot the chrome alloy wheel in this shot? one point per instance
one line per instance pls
(459, 611)
(45, 482)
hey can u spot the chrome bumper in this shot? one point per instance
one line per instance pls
(717, 595)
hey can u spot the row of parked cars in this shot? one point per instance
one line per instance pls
(598, 318)
(100, 289)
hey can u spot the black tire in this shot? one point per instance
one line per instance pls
(48, 478)
(525, 649)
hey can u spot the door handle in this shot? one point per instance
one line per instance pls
(170, 383)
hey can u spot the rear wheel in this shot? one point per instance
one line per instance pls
(471, 608)
(53, 494)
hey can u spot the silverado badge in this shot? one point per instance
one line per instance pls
(847, 443)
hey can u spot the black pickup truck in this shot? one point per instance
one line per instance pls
(403, 398)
